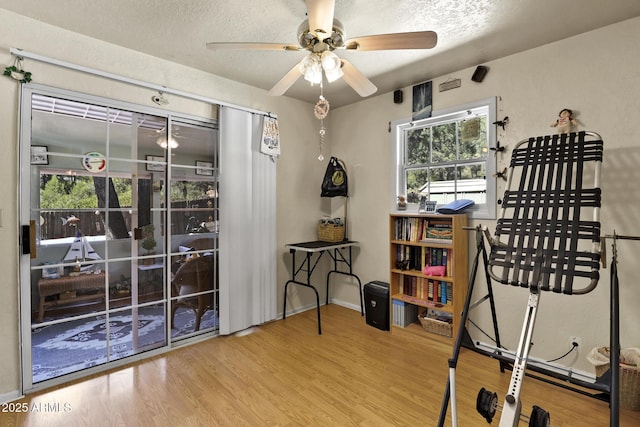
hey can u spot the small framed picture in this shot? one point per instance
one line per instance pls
(155, 163)
(204, 168)
(39, 155)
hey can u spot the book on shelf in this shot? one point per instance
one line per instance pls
(423, 230)
(404, 314)
(408, 257)
(411, 286)
(414, 263)
(410, 229)
(438, 256)
(396, 314)
(438, 232)
(438, 291)
(436, 241)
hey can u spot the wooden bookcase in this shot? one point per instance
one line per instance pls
(418, 239)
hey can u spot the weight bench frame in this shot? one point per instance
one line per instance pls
(543, 242)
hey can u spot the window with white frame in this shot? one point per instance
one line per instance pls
(447, 157)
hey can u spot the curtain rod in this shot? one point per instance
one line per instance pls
(37, 57)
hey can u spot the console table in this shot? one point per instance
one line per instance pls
(340, 252)
(63, 284)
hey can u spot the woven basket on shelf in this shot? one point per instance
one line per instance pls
(435, 326)
(330, 232)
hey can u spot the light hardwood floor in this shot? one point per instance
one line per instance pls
(285, 374)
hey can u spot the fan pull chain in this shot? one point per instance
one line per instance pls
(321, 110)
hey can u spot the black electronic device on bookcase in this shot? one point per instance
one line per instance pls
(336, 184)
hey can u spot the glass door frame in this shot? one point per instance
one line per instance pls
(24, 188)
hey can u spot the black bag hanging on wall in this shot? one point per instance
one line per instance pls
(335, 179)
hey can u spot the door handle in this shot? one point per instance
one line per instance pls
(29, 239)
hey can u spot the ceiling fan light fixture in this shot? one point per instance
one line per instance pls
(314, 76)
(311, 69)
(330, 61)
(162, 142)
(333, 75)
(331, 64)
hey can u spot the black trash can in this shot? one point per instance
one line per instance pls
(376, 304)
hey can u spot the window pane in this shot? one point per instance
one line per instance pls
(443, 184)
(122, 188)
(195, 143)
(474, 171)
(473, 138)
(418, 146)
(444, 142)
(472, 183)
(417, 184)
(194, 206)
(63, 191)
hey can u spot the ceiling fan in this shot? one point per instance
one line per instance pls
(321, 34)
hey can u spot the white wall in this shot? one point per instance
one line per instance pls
(597, 76)
(298, 175)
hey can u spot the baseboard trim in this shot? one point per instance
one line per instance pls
(11, 396)
(354, 307)
(313, 306)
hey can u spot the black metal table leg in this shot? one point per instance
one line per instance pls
(308, 266)
(309, 270)
(349, 264)
(286, 285)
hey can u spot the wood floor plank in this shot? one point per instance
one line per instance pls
(285, 374)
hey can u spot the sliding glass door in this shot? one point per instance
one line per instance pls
(119, 215)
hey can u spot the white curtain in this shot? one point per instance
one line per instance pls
(247, 224)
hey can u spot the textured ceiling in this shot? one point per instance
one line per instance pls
(470, 32)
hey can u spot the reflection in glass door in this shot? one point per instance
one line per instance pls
(193, 232)
(107, 276)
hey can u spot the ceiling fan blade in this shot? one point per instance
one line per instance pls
(256, 45)
(354, 78)
(320, 13)
(286, 82)
(413, 40)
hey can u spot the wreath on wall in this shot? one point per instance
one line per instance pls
(16, 72)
